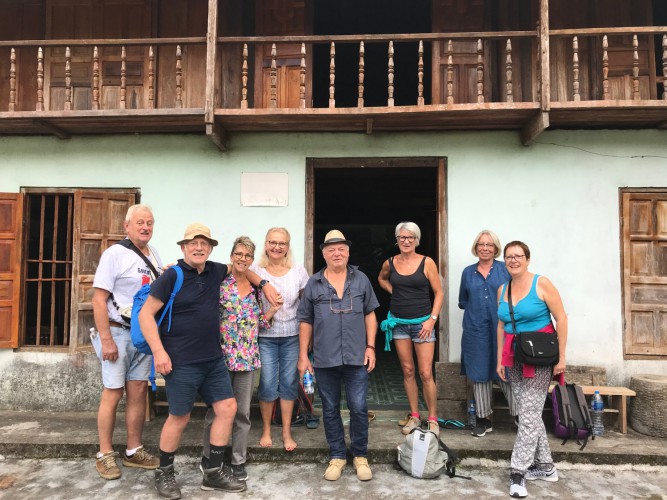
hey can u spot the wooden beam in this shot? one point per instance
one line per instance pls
(369, 126)
(538, 124)
(662, 125)
(545, 92)
(211, 60)
(217, 135)
(57, 131)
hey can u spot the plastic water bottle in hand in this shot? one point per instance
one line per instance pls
(308, 387)
(472, 414)
(597, 412)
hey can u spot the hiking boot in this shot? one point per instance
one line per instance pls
(518, 486)
(107, 467)
(545, 472)
(141, 459)
(239, 472)
(165, 482)
(221, 478)
(483, 426)
(363, 470)
(335, 469)
(434, 427)
(413, 423)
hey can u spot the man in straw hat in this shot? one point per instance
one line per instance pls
(337, 315)
(191, 360)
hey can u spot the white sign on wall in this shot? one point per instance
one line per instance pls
(264, 189)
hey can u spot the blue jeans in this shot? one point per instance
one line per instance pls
(356, 389)
(279, 377)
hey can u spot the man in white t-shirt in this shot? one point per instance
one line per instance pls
(120, 274)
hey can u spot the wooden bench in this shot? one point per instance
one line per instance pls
(617, 397)
(152, 402)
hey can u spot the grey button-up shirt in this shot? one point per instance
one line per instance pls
(339, 328)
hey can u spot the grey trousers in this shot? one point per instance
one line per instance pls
(483, 392)
(243, 384)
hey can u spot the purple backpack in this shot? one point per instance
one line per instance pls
(572, 419)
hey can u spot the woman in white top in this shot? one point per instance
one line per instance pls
(279, 345)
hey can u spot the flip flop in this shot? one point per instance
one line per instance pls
(371, 416)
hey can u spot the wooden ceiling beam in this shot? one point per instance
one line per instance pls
(217, 135)
(538, 124)
(57, 131)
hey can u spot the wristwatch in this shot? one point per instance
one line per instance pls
(434, 318)
(263, 283)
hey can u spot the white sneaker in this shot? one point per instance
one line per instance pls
(543, 472)
(518, 486)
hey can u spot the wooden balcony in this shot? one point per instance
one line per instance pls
(510, 80)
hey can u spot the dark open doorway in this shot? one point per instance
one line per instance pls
(365, 199)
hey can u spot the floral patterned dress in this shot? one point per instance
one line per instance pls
(240, 321)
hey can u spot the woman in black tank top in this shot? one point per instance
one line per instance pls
(410, 277)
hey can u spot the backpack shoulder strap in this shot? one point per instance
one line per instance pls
(177, 288)
(567, 410)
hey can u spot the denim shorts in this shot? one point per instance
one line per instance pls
(130, 365)
(279, 377)
(402, 332)
(210, 379)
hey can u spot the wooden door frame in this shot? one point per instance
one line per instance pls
(394, 162)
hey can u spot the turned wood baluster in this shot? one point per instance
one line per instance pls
(575, 69)
(332, 75)
(123, 77)
(480, 72)
(12, 79)
(244, 78)
(179, 77)
(68, 79)
(40, 80)
(420, 75)
(273, 103)
(605, 68)
(151, 78)
(664, 67)
(362, 69)
(302, 77)
(508, 71)
(635, 68)
(450, 73)
(390, 75)
(96, 78)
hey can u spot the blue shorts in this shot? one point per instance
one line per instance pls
(279, 377)
(210, 379)
(130, 365)
(402, 332)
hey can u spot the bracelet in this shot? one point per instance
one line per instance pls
(368, 346)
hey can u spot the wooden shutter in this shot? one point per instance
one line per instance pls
(99, 218)
(645, 272)
(11, 216)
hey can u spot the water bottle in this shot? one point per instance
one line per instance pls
(308, 387)
(472, 414)
(597, 411)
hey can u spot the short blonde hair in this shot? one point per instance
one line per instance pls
(410, 227)
(494, 238)
(287, 260)
(243, 241)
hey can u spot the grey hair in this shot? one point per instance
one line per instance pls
(139, 207)
(494, 238)
(410, 227)
(245, 242)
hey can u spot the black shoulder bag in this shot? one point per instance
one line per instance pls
(533, 348)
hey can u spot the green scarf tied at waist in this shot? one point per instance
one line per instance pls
(388, 325)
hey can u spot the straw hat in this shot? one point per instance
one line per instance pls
(334, 236)
(197, 229)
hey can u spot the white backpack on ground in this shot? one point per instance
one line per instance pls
(424, 455)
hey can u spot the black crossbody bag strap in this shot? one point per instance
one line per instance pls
(509, 302)
(127, 243)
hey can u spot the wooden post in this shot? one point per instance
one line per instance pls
(605, 68)
(12, 79)
(635, 68)
(244, 78)
(508, 71)
(179, 77)
(151, 78)
(123, 77)
(96, 78)
(664, 67)
(420, 74)
(274, 78)
(211, 73)
(332, 75)
(390, 75)
(480, 72)
(68, 80)
(545, 77)
(302, 77)
(40, 80)
(362, 65)
(450, 73)
(575, 69)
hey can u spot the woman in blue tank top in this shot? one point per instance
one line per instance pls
(410, 277)
(535, 301)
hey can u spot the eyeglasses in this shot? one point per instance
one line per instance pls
(198, 243)
(485, 245)
(406, 238)
(510, 258)
(241, 255)
(279, 244)
(340, 311)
